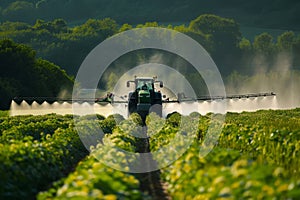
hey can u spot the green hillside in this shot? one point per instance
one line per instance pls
(22, 74)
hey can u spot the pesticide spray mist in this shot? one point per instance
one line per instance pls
(58, 108)
(281, 80)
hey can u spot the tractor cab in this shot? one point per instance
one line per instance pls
(144, 96)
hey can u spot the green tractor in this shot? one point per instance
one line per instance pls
(145, 98)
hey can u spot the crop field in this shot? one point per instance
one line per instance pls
(256, 156)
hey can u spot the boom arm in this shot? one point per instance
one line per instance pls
(182, 98)
(53, 99)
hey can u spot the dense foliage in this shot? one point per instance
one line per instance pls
(22, 74)
(36, 151)
(59, 43)
(279, 13)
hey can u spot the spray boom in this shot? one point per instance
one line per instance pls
(143, 99)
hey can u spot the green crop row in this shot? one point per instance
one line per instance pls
(94, 180)
(269, 136)
(37, 150)
(16, 129)
(256, 156)
(28, 166)
(226, 174)
(99, 175)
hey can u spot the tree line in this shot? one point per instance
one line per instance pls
(22, 74)
(67, 46)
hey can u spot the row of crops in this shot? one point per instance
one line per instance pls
(34, 152)
(256, 156)
(43, 157)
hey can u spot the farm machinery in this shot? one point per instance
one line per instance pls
(145, 97)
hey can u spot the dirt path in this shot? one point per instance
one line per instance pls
(150, 182)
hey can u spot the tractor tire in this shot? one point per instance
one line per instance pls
(132, 104)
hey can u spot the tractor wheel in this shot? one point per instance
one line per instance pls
(132, 104)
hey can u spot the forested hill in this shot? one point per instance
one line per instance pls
(22, 74)
(282, 14)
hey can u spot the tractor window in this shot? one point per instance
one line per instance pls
(145, 84)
